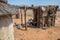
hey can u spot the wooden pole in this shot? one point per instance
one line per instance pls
(38, 20)
(25, 18)
(21, 17)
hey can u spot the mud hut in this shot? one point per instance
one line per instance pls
(6, 24)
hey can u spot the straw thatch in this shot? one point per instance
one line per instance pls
(4, 1)
(7, 9)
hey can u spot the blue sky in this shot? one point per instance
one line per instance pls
(34, 2)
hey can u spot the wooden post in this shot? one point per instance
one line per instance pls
(38, 18)
(35, 18)
(21, 17)
(25, 18)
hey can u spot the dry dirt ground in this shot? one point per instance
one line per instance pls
(51, 33)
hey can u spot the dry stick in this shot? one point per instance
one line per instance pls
(25, 18)
(21, 17)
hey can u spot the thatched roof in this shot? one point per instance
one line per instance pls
(7, 9)
(4, 1)
(27, 7)
(35, 7)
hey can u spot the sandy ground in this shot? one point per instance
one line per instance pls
(52, 33)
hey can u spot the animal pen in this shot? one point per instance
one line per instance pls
(43, 16)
